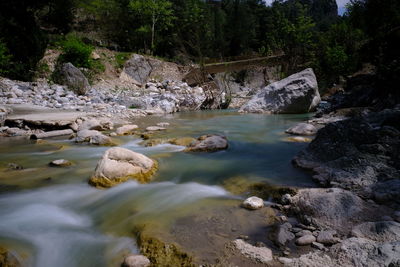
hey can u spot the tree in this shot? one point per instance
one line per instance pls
(155, 12)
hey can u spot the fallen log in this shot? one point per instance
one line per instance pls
(51, 134)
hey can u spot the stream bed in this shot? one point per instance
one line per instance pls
(52, 217)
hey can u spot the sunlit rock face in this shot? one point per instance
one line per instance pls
(297, 93)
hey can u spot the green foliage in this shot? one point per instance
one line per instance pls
(156, 15)
(337, 58)
(76, 52)
(5, 59)
(121, 58)
(43, 70)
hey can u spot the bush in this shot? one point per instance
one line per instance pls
(76, 52)
(4, 59)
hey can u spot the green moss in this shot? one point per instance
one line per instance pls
(121, 58)
(7, 260)
(243, 186)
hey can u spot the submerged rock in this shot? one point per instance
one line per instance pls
(118, 165)
(155, 128)
(302, 129)
(297, 93)
(60, 163)
(208, 143)
(71, 76)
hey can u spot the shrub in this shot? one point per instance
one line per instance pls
(5, 58)
(76, 52)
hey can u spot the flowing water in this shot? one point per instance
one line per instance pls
(52, 217)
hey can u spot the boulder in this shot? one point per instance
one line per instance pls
(297, 93)
(327, 237)
(126, 129)
(283, 234)
(208, 143)
(72, 77)
(118, 165)
(101, 140)
(136, 261)
(253, 203)
(333, 208)
(358, 154)
(260, 254)
(137, 68)
(302, 129)
(385, 231)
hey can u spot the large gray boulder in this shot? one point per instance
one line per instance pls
(333, 208)
(297, 93)
(138, 69)
(72, 77)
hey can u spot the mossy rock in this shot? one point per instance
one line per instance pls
(7, 259)
(141, 177)
(161, 253)
(182, 141)
(243, 186)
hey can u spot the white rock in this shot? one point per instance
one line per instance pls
(136, 261)
(253, 203)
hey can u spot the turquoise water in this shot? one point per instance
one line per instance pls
(52, 217)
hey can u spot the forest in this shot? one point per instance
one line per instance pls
(309, 32)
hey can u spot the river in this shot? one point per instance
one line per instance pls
(52, 217)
